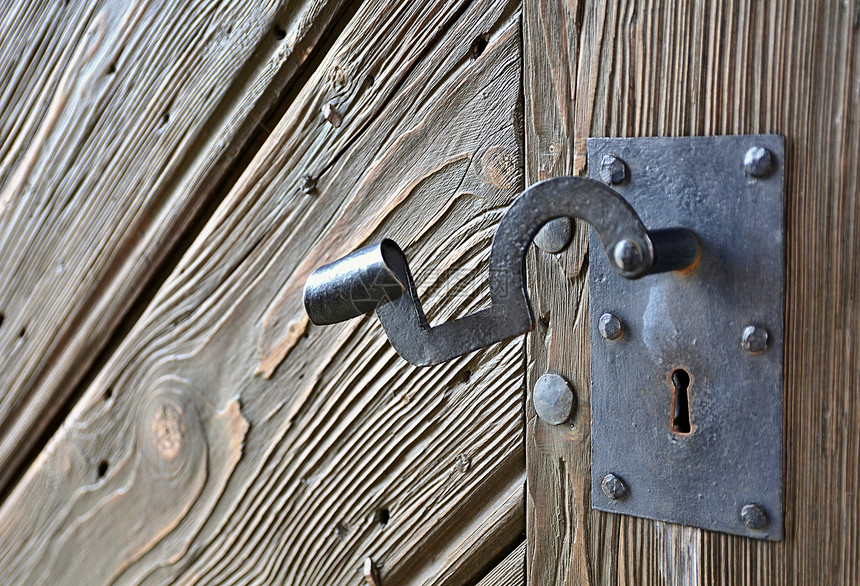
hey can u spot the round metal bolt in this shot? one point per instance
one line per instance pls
(627, 255)
(758, 162)
(612, 170)
(610, 326)
(613, 487)
(555, 235)
(753, 516)
(754, 339)
(553, 398)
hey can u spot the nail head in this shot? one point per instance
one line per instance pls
(610, 326)
(553, 398)
(753, 516)
(613, 487)
(627, 255)
(754, 339)
(555, 235)
(758, 162)
(613, 170)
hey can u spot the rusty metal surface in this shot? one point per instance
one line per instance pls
(695, 321)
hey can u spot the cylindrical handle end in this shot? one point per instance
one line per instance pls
(354, 285)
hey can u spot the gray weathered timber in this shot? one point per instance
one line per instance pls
(119, 122)
(510, 572)
(178, 464)
(678, 68)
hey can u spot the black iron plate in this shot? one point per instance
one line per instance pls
(693, 321)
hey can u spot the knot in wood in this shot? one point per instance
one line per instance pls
(499, 168)
(167, 430)
(338, 77)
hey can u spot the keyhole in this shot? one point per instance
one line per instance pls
(681, 403)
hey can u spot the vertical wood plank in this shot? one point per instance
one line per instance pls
(673, 68)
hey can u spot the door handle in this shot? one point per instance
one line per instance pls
(377, 277)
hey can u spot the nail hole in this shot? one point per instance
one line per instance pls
(103, 468)
(111, 69)
(543, 324)
(108, 393)
(478, 46)
(465, 375)
(165, 118)
(341, 531)
(2, 317)
(279, 33)
(382, 516)
(681, 402)
(22, 332)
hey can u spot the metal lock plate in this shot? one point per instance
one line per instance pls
(722, 468)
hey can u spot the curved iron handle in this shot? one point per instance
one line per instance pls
(378, 277)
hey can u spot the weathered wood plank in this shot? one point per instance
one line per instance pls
(347, 452)
(672, 67)
(120, 122)
(511, 572)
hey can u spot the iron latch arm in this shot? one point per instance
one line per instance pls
(378, 276)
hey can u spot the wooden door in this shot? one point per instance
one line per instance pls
(678, 68)
(171, 172)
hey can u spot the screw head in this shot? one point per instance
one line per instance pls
(553, 398)
(758, 162)
(555, 235)
(610, 326)
(627, 255)
(613, 487)
(753, 516)
(754, 339)
(613, 170)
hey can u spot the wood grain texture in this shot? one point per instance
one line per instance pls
(120, 121)
(676, 68)
(511, 572)
(347, 452)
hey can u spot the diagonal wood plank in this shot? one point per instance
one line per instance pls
(510, 572)
(120, 123)
(347, 452)
(672, 68)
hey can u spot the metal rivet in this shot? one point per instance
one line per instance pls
(613, 170)
(753, 516)
(613, 487)
(555, 235)
(553, 398)
(627, 255)
(758, 162)
(754, 339)
(610, 326)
